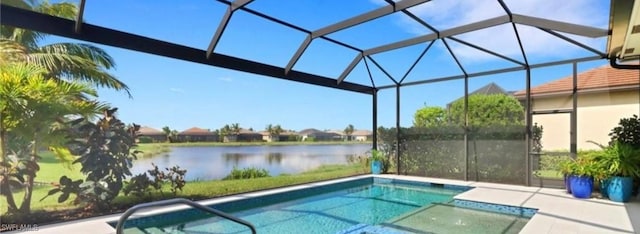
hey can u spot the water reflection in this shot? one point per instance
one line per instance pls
(206, 163)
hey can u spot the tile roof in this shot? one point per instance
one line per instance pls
(598, 78)
(196, 131)
(144, 130)
(362, 133)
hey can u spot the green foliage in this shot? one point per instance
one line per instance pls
(145, 139)
(536, 138)
(246, 173)
(620, 159)
(106, 155)
(584, 165)
(627, 132)
(139, 186)
(429, 116)
(484, 110)
(348, 131)
(67, 187)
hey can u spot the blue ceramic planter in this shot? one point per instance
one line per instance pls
(376, 167)
(567, 185)
(620, 188)
(604, 187)
(581, 186)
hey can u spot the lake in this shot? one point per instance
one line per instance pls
(216, 162)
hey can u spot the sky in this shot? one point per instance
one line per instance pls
(179, 94)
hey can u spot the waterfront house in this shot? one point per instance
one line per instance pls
(362, 135)
(195, 134)
(312, 134)
(153, 135)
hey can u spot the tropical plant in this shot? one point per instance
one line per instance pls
(274, 131)
(627, 132)
(246, 173)
(171, 134)
(235, 129)
(583, 166)
(348, 131)
(429, 116)
(62, 61)
(106, 153)
(32, 114)
(620, 159)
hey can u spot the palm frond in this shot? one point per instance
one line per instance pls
(86, 51)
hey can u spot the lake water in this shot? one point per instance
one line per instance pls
(216, 162)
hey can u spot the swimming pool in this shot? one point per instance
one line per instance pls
(367, 205)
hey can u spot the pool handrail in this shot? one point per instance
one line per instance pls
(174, 201)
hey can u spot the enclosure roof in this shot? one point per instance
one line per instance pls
(357, 35)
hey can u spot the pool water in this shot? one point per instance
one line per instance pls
(372, 208)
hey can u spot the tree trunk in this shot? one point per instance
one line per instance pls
(28, 190)
(5, 188)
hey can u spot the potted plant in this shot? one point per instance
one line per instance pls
(377, 159)
(566, 168)
(581, 176)
(622, 162)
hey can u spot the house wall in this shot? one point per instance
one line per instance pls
(597, 114)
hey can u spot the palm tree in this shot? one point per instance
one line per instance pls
(167, 131)
(62, 61)
(33, 111)
(274, 132)
(224, 132)
(348, 131)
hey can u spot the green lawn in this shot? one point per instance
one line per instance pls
(203, 189)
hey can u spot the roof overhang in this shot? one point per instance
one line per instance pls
(624, 39)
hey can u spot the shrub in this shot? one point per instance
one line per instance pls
(145, 139)
(106, 155)
(140, 185)
(246, 173)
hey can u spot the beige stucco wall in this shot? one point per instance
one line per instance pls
(598, 113)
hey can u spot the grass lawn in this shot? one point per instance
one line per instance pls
(199, 189)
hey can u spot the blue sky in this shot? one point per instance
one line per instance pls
(169, 92)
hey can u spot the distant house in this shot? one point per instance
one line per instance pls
(339, 135)
(362, 135)
(284, 136)
(605, 95)
(153, 134)
(247, 135)
(491, 88)
(317, 135)
(197, 135)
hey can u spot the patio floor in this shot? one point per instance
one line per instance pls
(558, 212)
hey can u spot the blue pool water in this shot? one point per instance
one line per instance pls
(360, 206)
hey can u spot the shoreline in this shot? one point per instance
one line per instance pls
(154, 149)
(280, 143)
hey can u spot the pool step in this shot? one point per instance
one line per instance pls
(448, 218)
(370, 229)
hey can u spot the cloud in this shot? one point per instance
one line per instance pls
(176, 90)
(226, 79)
(445, 14)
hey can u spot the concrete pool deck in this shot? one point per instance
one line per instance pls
(558, 212)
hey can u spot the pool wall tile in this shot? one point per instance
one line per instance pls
(378, 180)
(504, 209)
